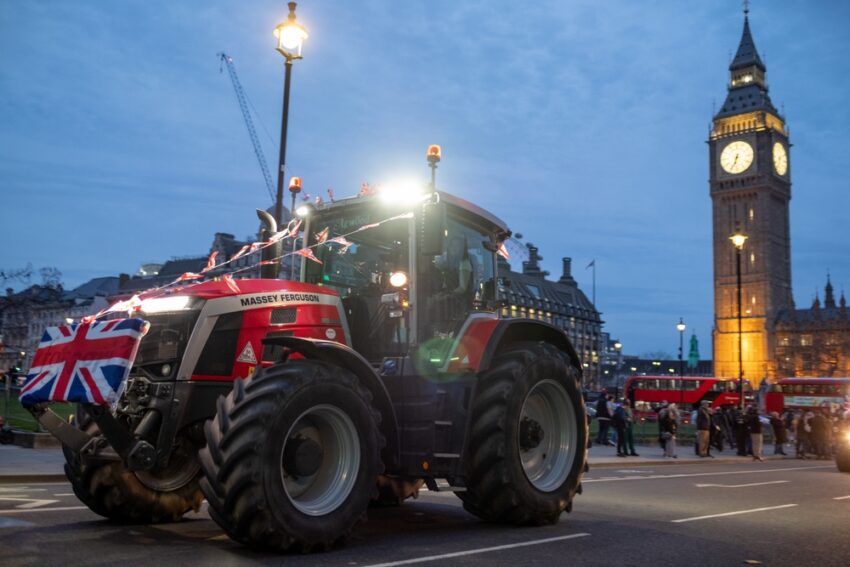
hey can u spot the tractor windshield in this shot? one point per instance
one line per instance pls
(358, 265)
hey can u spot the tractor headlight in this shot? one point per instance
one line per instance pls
(398, 279)
(166, 304)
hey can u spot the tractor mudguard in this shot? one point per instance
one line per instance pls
(509, 331)
(346, 357)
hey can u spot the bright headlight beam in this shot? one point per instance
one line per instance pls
(165, 304)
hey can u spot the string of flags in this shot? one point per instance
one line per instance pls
(189, 279)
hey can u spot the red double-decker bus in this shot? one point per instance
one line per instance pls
(647, 392)
(807, 393)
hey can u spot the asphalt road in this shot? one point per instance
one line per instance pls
(778, 513)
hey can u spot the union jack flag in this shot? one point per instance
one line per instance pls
(84, 362)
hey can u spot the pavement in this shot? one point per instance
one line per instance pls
(20, 464)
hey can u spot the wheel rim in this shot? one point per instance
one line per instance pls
(182, 467)
(329, 486)
(547, 437)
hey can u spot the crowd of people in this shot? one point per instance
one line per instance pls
(809, 431)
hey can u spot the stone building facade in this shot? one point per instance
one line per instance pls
(561, 303)
(815, 341)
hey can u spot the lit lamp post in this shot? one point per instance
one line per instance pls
(290, 38)
(738, 239)
(618, 346)
(680, 326)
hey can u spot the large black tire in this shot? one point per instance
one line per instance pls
(292, 457)
(526, 449)
(144, 497)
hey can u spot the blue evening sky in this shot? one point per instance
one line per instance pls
(582, 123)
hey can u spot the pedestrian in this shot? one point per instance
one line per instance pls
(718, 435)
(740, 432)
(662, 415)
(779, 434)
(603, 417)
(629, 447)
(820, 432)
(753, 424)
(804, 432)
(703, 428)
(618, 420)
(670, 428)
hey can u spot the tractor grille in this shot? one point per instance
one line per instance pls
(166, 339)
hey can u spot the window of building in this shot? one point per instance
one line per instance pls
(805, 340)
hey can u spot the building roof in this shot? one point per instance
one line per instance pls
(750, 96)
(97, 286)
(747, 54)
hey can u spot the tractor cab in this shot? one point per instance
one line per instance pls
(408, 285)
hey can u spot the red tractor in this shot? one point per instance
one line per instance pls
(291, 406)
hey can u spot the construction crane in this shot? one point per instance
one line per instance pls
(243, 104)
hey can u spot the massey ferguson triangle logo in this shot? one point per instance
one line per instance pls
(247, 354)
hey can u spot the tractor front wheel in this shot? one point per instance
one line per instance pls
(527, 445)
(292, 457)
(162, 494)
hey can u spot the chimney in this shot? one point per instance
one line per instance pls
(567, 275)
(531, 267)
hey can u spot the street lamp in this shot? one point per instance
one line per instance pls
(290, 38)
(618, 346)
(680, 326)
(738, 239)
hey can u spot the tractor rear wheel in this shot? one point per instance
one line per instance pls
(162, 494)
(528, 435)
(292, 457)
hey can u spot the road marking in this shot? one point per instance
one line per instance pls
(22, 488)
(64, 494)
(741, 485)
(841, 498)
(688, 475)
(61, 509)
(732, 513)
(475, 551)
(31, 502)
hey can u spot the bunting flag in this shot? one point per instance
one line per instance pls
(331, 194)
(231, 283)
(280, 235)
(319, 200)
(132, 304)
(322, 236)
(187, 276)
(342, 242)
(294, 228)
(503, 251)
(210, 262)
(242, 252)
(365, 191)
(307, 253)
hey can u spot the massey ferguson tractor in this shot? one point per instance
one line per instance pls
(292, 406)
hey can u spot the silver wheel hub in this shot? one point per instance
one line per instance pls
(320, 460)
(547, 437)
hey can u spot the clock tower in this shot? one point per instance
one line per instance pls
(750, 188)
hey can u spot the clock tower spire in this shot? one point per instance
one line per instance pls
(750, 188)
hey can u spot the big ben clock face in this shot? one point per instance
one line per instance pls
(780, 158)
(736, 157)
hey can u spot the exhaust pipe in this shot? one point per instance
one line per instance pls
(271, 270)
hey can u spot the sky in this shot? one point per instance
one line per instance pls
(580, 123)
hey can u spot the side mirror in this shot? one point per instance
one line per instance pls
(432, 228)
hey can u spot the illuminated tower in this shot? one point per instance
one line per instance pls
(750, 187)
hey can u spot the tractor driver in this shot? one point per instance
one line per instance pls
(452, 282)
